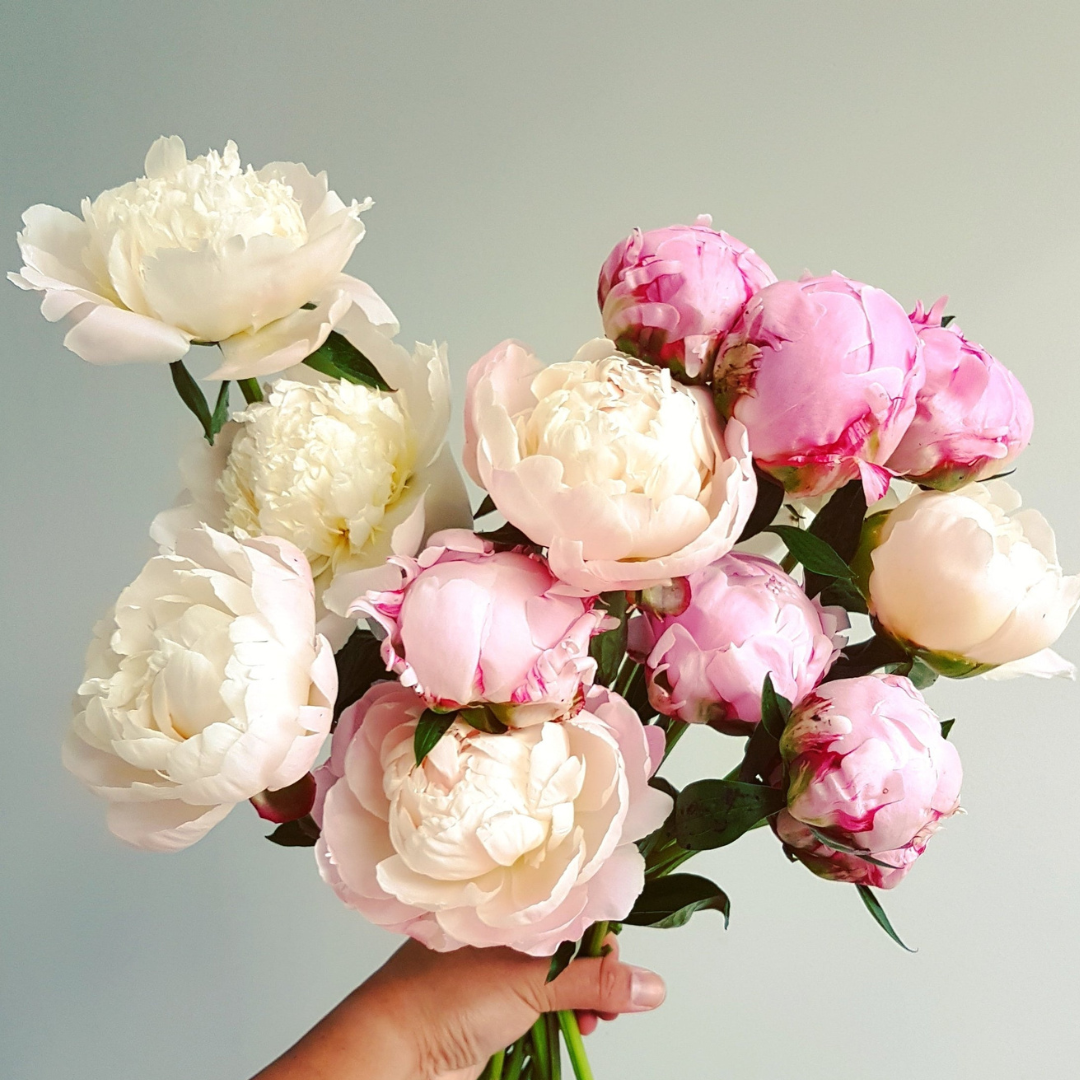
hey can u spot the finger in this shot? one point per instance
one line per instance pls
(607, 1016)
(587, 1022)
(605, 985)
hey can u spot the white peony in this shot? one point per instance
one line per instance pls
(970, 579)
(521, 839)
(200, 251)
(206, 685)
(346, 473)
(625, 475)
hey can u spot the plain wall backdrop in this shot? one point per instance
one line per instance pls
(925, 147)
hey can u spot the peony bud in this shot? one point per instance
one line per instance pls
(745, 619)
(669, 295)
(969, 581)
(823, 372)
(466, 623)
(972, 417)
(868, 768)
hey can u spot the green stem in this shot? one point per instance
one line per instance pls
(541, 1049)
(575, 1045)
(592, 943)
(251, 390)
(494, 1068)
(675, 730)
(554, 1045)
(517, 1060)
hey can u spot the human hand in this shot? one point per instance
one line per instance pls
(440, 1016)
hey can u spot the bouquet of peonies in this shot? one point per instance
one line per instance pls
(692, 514)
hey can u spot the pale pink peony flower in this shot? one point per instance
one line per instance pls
(746, 619)
(823, 372)
(522, 839)
(972, 417)
(207, 685)
(466, 623)
(869, 768)
(626, 476)
(668, 295)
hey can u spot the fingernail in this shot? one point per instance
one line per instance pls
(647, 989)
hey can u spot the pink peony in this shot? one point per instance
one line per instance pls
(626, 476)
(668, 295)
(972, 417)
(823, 372)
(466, 623)
(746, 619)
(868, 767)
(522, 839)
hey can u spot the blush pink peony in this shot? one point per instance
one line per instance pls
(972, 417)
(522, 839)
(745, 619)
(823, 372)
(668, 295)
(466, 623)
(870, 769)
(626, 476)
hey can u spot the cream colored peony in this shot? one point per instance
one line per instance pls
(521, 839)
(971, 580)
(201, 251)
(333, 467)
(624, 474)
(206, 685)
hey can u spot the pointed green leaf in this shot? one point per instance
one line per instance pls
(221, 411)
(946, 319)
(813, 552)
(430, 728)
(303, 832)
(341, 359)
(848, 849)
(561, 960)
(873, 905)
(483, 719)
(192, 397)
(922, 674)
(770, 497)
(359, 664)
(486, 507)
(843, 593)
(669, 901)
(946, 727)
(609, 648)
(775, 709)
(713, 813)
(839, 524)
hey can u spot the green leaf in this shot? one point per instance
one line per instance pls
(775, 709)
(946, 319)
(430, 728)
(946, 727)
(303, 832)
(609, 648)
(483, 719)
(486, 507)
(561, 960)
(341, 359)
(762, 752)
(359, 665)
(221, 411)
(813, 552)
(251, 390)
(839, 524)
(192, 397)
(873, 905)
(669, 901)
(713, 813)
(843, 593)
(770, 497)
(922, 674)
(848, 849)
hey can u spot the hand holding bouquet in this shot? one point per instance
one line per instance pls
(500, 697)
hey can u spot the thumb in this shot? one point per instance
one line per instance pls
(604, 984)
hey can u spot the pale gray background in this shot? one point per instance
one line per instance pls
(923, 147)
